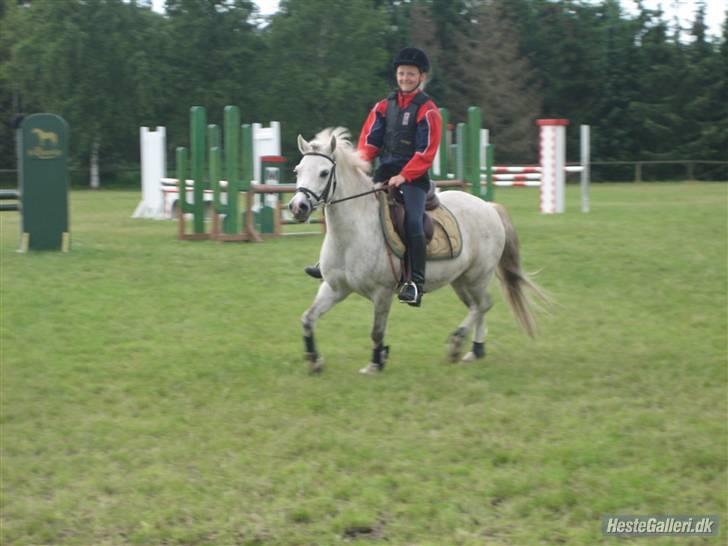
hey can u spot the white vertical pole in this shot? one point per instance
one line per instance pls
(585, 160)
(552, 154)
(484, 135)
(266, 141)
(94, 161)
(153, 169)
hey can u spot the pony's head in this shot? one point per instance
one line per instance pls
(316, 174)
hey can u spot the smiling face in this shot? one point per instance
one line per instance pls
(409, 78)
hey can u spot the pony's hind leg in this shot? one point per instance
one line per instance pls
(478, 302)
(382, 300)
(481, 330)
(325, 299)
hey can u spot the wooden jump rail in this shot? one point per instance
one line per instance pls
(460, 184)
(249, 232)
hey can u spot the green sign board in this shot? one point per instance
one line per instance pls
(43, 184)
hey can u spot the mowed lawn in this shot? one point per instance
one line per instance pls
(154, 391)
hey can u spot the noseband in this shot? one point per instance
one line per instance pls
(330, 184)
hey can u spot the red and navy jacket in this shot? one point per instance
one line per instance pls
(428, 130)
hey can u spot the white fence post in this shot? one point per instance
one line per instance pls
(153, 168)
(266, 141)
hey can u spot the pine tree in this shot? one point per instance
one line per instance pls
(498, 79)
(655, 135)
(704, 97)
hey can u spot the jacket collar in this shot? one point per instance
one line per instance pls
(405, 99)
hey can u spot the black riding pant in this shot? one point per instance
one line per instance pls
(413, 193)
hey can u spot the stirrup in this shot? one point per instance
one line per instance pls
(410, 294)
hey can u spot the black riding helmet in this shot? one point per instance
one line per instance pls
(412, 56)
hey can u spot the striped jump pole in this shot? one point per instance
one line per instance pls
(549, 175)
(473, 158)
(552, 154)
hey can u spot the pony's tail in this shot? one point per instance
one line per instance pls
(514, 280)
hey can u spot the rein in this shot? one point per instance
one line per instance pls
(332, 178)
(319, 199)
(357, 195)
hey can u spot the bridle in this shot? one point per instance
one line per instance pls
(330, 188)
(323, 198)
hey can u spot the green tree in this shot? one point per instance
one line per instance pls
(323, 65)
(704, 95)
(81, 60)
(656, 135)
(214, 60)
(8, 98)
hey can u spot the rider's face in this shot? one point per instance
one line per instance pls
(408, 78)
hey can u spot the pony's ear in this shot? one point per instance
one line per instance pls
(303, 146)
(333, 143)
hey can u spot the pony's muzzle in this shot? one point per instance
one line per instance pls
(300, 208)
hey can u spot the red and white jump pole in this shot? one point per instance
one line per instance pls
(550, 173)
(552, 157)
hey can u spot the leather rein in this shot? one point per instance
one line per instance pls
(330, 189)
(329, 192)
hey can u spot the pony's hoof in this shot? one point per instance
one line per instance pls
(372, 369)
(477, 353)
(470, 357)
(315, 363)
(455, 348)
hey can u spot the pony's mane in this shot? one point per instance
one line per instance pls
(345, 152)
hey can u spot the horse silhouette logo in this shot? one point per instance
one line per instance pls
(46, 146)
(45, 137)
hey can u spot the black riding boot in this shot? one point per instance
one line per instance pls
(411, 292)
(313, 270)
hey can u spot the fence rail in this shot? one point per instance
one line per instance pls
(688, 164)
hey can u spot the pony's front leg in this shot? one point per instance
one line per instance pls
(325, 299)
(382, 300)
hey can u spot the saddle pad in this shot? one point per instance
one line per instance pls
(446, 243)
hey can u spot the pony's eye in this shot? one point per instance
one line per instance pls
(324, 173)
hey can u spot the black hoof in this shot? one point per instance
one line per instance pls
(313, 271)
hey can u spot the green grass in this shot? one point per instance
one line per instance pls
(154, 391)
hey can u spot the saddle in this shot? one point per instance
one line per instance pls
(442, 231)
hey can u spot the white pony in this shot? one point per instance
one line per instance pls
(354, 256)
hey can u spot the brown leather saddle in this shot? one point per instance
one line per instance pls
(396, 211)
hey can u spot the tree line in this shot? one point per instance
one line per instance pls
(650, 89)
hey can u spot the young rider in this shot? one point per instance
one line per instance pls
(404, 130)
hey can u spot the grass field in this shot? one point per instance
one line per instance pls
(154, 391)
